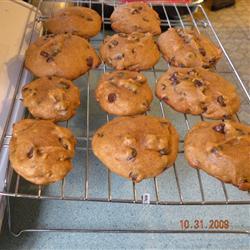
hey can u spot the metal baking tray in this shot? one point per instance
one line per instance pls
(90, 181)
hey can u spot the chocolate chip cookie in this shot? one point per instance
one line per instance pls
(136, 51)
(135, 17)
(41, 151)
(124, 93)
(51, 98)
(136, 147)
(61, 55)
(198, 91)
(80, 21)
(222, 149)
(188, 48)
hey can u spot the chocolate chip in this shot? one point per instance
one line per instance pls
(132, 155)
(100, 134)
(214, 150)
(114, 42)
(133, 176)
(44, 53)
(172, 60)
(90, 61)
(165, 99)
(198, 83)
(90, 19)
(133, 51)
(181, 65)
(30, 153)
(212, 61)
(112, 97)
(122, 35)
(50, 59)
(55, 52)
(134, 11)
(244, 180)
(221, 101)
(65, 145)
(205, 66)
(220, 128)
(140, 8)
(40, 152)
(227, 117)
(203, 107)
(63, 85)
(174, 79)
(26, 89)
(164, 151)
(186, 38)
(163, 87)
(145, 19)
(119, 56)
(165, 123)
(50, 77)
(202, 51)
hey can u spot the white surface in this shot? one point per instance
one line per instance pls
(16, 22)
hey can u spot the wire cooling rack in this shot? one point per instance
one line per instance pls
(90, 181)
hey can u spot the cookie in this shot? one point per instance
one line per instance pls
(41, 151)
(124, 93)
(187, 48)
(222, 149)
(198, 91)
(64, 55)
(136, 147)
(80, 21)
(136, 51)
(135, 17)
(51, 98)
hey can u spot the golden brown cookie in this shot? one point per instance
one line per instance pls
(222, 149)
(198, 91)
(135, 17)
(187, 48)
(124, 93)
(136, 147)
(136, 51)
(80, 21)
(41, 151)
(62, 55)
(51, 98)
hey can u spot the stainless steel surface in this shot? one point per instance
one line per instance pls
(84, 147)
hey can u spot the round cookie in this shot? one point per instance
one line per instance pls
(198, 91)
(61, 55)
(135, 17)
(41, 151)
(136, 51)
(222, 149)
(124, 93)
(51, 98)
(136, 147)
(80, 21)
(188, 48)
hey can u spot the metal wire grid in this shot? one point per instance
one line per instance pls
(183, 22)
